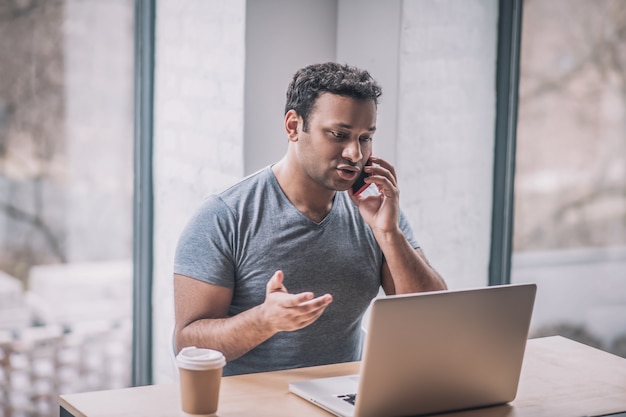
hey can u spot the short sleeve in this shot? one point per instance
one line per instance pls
(205, 247)
(405, 226)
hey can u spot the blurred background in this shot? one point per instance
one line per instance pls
(66, 187)
(68, 78)
(570, 180)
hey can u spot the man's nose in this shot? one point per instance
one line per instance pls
(352, 151)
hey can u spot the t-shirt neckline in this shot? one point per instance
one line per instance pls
(282, 194)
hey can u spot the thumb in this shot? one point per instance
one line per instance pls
(276, 282)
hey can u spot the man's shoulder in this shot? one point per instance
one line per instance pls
(247, 185)
(230, 202)
(248, 191)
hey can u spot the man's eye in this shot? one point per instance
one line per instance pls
(340, 135)
(366, 139)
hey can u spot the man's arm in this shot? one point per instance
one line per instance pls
(201, 311)
(409, 271)
(406, 270)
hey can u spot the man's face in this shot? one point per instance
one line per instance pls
(338, 141)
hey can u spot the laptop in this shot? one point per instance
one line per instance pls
(433, 352)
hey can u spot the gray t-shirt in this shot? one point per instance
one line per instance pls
(242, 236)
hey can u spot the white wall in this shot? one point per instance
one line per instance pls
(446, 119)
(368, 36)
(198, 131)
(363, 33)
(279, 41)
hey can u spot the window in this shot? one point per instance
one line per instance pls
(570, 186)
(66, 200)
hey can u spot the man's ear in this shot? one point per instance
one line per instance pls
(293, 124)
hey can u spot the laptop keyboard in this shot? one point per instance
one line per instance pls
(351, 398)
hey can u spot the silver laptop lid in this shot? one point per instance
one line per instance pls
(445, 350)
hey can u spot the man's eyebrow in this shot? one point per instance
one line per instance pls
(347, 126)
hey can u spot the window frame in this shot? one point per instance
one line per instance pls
(507, 82)
(143, 201)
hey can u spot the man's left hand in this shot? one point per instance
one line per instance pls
(380, 211)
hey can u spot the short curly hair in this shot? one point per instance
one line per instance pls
(310, 82)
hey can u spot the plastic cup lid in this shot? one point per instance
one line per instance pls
(200, 359)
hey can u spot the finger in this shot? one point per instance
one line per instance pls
(383, 163)
(309, 317)
(290, 301)
(386, 187)
(388, 170)
(311, 308)
(319, 302)
(296, 300)
(304, 302)
(381, 172)
(276, 282)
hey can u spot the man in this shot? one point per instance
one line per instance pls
(277, 271)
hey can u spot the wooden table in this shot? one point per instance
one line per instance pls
(559, 377)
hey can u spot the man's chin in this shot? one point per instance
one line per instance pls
(344, 188)
(337, 187)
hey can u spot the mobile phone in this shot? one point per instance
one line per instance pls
(360, 185)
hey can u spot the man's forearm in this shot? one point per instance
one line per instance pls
(410, 271)
(233, 336)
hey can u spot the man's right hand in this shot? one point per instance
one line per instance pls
(288, 312)
(202, 315)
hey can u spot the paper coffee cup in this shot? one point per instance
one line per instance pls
(200, 376)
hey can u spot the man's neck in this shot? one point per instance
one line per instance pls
(310, 198)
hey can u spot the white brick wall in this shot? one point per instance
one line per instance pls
(446, 118)
(198, 130)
